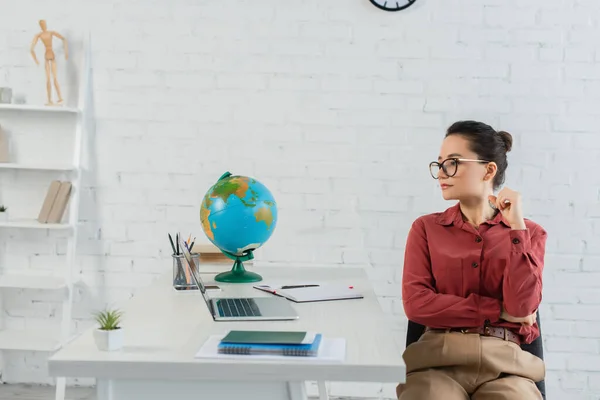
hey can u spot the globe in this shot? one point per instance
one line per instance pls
(238, 215)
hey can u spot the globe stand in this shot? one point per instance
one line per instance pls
(238, 273)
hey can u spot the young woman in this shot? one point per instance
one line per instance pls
(473, 277)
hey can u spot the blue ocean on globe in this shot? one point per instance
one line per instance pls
(238, 213)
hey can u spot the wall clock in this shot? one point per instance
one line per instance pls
(392, 5)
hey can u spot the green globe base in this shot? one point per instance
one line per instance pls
(238, 273)
(232, 277)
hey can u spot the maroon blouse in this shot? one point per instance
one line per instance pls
(456, 276)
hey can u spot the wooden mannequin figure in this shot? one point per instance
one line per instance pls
(49, 59)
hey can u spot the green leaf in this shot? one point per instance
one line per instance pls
(108, 320)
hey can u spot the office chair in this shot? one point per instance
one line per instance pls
(414, 332)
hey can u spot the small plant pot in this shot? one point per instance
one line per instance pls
(4, 216)
(108, 340)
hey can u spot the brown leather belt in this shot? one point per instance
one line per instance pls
(494, 331)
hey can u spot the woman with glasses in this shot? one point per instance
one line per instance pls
(473, 277)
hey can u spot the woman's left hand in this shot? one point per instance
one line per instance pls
(508, 202)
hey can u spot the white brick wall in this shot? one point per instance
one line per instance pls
(338, 108)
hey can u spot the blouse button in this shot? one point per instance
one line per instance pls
(478, 239)
(474, 265)
(516, 241)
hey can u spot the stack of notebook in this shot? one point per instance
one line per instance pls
(285, 343)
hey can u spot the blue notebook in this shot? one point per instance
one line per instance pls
(298, 350)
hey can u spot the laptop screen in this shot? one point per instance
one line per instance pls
(195, 273)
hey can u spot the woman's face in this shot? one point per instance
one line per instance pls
(465, 179)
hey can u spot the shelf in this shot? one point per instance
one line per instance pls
(24, 340)
(41, 167)
(38, 108)
(32, 224)
(22, 281)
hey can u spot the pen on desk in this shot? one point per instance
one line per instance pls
(297, 286)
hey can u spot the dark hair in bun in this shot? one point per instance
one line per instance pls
(486, 143)
(507, 139)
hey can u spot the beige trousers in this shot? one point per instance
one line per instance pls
(463, 366)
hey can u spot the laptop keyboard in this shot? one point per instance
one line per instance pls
(237, 308)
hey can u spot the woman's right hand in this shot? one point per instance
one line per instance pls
(527, 321)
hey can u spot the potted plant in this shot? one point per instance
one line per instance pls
(3, 213)
(108, 335)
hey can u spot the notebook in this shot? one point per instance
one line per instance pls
(269, 337)
(331, 350)
(293, 350)
(302, 293)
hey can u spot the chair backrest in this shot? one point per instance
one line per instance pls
(414, 332)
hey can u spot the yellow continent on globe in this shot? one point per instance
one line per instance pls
(237, 186)
(204, 213)
(264, 214)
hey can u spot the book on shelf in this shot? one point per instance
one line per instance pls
(55, 203)
(48, 201)
(4, 156)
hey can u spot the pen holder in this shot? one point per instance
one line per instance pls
(182, 272)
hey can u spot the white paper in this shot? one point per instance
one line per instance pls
(331, 349)
(319, 293)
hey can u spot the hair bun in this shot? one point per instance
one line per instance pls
(507, 139)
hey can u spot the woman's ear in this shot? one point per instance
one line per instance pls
(490, 171)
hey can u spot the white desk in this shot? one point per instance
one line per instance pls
(164, 329)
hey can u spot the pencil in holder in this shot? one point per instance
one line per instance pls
(182, 272)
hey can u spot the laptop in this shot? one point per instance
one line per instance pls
(243, 308)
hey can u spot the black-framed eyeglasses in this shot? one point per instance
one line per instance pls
(449, 166)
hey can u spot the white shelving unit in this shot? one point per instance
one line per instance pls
(33, 224)
(30, 281)
(28, 341)
(37, 167)
(36, 108)
(40, 341)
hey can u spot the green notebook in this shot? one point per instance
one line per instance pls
(272, 337)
